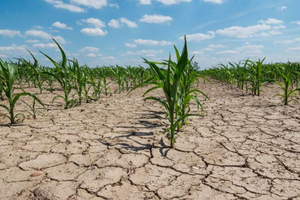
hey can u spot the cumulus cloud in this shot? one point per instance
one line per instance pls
(145, 2)
(271, 21)
(96, 30)
(59, 39)
(199, 36)
(228, 52)
(92, 55)
(9, 33)
(97, 4)
(114, 5)
(13, 50)
(32, 41)
(93, 32)
(196, 52)
(45, 45)
(171, 2)
(282, 8)
(116, 23)
(128, 22)
(144, 52)
(94, 22)
(38, 34)
(285, 42)
(243, 32)
(152, 42)
(294, 49)
(61, 25)
(130, 45)
(214, 1)
(296, 22)
(158, 19)
(62, 5)
(215, 46)
(89, 49)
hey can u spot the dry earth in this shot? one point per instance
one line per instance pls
(244, 148)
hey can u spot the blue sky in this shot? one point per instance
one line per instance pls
(109, 32)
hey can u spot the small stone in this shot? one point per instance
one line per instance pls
(37, 173)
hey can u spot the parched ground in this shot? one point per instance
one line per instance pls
(244, 148)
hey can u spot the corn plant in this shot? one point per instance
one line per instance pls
(257, 76)
(8, 78)
(63, 77)
(35, 71)
(170, 81)
(187, 92)
(33, 109)
(286, 74)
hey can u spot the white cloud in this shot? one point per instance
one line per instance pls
(62, 5)
(145, 2)
(96, 31)
(144, 52)
(3, 56)
(97, 4)
(251, 50)
(91, 55)
(152, 42)
(296, 22)
(279, 27)
(282, 8)
(61, 25)
(196, 52)
(215, 46)
(59, 39)
(94, 22)
(171, 2)
(228, 52)
(287, 41)
(271, 21)
(131, 45)
(32, 41)
(114, 23)
(244, 32)
(214, 1)
(9, 33)
(159, 19)
(14, 49)
(89, 49)
(93, 32)
(275, 32)
(249, 47)
(38, 27)
(47, 45)
(294, 49)
(38, 34)
(128, 22)
(114, 5)
(199, 36)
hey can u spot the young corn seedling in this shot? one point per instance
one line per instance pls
(63, 76)
(286, 85)
(187, 92)
(8, 78)
(36, 72)
(33, 109)
(169, 81)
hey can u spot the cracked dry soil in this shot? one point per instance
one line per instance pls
(244, 148)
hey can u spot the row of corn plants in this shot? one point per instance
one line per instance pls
(77, 83)
(252, 75)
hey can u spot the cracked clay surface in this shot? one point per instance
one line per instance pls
(244, 148)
